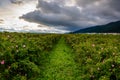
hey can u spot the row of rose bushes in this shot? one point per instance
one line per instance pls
(97, 55)
(22, 55)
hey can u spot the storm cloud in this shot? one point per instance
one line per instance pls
(20, 1)
(74, 13)
(53, 15)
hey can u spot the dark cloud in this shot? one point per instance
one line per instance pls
(54, 14)
(83, 13)
(105, 10)
(20, 1)
(49, 8)
(5, 3)
(85, 2)
(1, 21)
(115, 4)
(16, 2)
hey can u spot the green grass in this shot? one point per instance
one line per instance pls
(61, 65)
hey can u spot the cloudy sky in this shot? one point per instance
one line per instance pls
(57, 16)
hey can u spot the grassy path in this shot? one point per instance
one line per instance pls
(61, 64)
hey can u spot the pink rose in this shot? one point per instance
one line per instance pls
(3, 62)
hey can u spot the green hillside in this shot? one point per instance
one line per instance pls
(113, 27)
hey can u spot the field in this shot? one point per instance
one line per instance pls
(25, 56)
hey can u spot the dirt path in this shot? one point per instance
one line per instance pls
(61, 64)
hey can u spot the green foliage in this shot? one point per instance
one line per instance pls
(22, 55)
(97, 55)
(25, 68)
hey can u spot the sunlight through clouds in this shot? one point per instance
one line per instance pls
(12, 23)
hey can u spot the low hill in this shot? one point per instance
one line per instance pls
(113, 27)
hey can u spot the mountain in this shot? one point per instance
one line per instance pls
(113, 27)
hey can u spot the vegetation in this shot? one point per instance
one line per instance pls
(22, 55)
(25, 56)
(98, 56)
